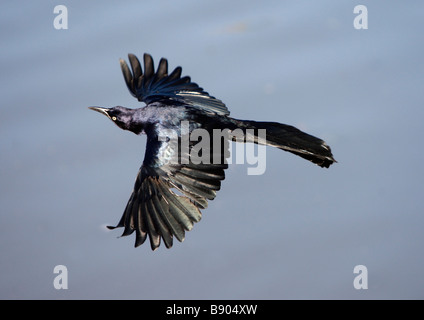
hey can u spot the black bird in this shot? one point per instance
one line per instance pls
(168, 195)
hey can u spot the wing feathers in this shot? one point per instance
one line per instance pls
(135, 66)
(154, 209)
(154, 237)
(140, 226)
(159, 86)
(177, 211)
(149, 68)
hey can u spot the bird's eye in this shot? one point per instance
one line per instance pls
(114, 118)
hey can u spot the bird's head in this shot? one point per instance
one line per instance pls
(121, 116)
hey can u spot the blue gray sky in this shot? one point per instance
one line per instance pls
(295, 232)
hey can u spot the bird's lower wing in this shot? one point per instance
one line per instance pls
(167, 197)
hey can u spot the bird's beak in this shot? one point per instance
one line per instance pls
(101, 110)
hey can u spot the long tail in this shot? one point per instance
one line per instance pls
(288, 138)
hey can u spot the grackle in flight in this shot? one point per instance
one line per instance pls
(168, 195)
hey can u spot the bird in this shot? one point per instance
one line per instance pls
(169, 193)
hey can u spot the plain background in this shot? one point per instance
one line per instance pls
(295, 232)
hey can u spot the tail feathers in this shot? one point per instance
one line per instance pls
(290, 139)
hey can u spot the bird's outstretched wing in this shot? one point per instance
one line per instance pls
(168, 195)
(152, 86)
